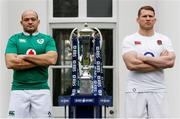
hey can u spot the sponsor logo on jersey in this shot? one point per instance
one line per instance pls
(134, 89)
(11, 113)
(22, 40)
(159, 42)
(149, 54)
(137, 42)
(49, 114)
(31, 52)
(40, 41)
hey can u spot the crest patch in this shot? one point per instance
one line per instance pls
(159, 42)
(40, 41)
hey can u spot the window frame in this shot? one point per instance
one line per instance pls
(82, 12)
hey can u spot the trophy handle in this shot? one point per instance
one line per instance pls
(100, 35)
(70, 38)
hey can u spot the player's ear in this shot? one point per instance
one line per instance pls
(137, 19)
(155, 19)
(21, 22)
(38, 21)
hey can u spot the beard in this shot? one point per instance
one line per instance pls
(30, 30)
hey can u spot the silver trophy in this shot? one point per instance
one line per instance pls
(85, 57)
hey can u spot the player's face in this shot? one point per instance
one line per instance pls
(30, 22)
(146, 20)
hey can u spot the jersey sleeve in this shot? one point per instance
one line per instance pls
(11, 45)
(167, 44)
(127, 45)
(51, 46)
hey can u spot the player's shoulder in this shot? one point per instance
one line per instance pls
(130, 36)
(162, 36)
(46, 36)
(15, 36)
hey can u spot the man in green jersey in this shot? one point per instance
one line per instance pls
(29, 54)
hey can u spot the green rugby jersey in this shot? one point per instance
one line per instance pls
(23, 43)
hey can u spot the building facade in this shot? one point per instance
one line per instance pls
(114, 18)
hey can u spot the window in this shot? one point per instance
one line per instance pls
(65, 8)
(99, 8)
(72, 8)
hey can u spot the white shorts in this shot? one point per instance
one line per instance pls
(30, 104)
(143, 105)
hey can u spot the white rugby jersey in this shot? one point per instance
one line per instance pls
(148, 46)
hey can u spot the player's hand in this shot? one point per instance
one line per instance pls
(22, 57)
(164, 53)
(140, 57)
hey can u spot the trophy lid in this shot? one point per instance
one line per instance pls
(86, 30)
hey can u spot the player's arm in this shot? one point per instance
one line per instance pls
(15, 62)
(166, 60)
(134, 64)
(46, 59)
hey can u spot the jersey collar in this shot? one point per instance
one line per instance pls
(34, 34)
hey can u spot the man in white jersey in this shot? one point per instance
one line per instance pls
(146, 53)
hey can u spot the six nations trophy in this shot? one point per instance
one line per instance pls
(87, 74)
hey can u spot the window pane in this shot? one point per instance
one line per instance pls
(65, 8)
(62, 77)
(99, 8)
(61, 37)
(61, 84)
(108, 81)
(107, 47)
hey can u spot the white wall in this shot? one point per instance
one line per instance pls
(169, 23)
(10, 13)
(16, 7)
(4, 83)
(168, 20)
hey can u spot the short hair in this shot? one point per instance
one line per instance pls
(22, 16)
(146, 8)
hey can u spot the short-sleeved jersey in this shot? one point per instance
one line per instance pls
(147, 46)
(23, 43)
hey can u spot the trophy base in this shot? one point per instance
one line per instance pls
(85, 86)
